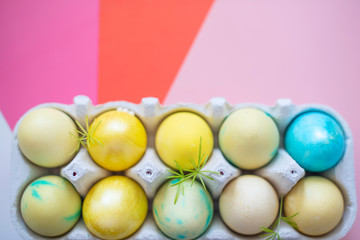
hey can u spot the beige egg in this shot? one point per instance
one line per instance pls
(249, 203)
(319, 203)
(48, 137)
(50, 206)
(249, 138)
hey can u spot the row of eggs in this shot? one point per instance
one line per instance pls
(117, 206)
(116, 140)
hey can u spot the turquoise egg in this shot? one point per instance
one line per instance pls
(189, 217)
(315, 141)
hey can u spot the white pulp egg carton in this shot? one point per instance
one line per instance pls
(150, 172)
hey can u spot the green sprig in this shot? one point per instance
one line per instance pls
(271, 234)
(192, 174)
(86, 136)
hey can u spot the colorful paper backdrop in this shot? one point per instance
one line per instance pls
(182, 50)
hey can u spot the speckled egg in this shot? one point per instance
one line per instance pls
(319, 203)
(47, 137)
(122, 140)
(178, 138)
(115, 208)
(189, 217)
(315, 141)
(248, 203)
(50, 206)
(249, 138)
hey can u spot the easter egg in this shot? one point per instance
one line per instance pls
(115, 208)
(50, 206)
(178, 139)
(47, 137)
(121, 141)
(189, 217)
(249, 138)
(319, 203)
(248, 203)
(315, 141)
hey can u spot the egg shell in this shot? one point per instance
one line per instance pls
(315, 140)
(190, 216)
(150, 172)
(249, 138)
(115, 208)
(121, 141)
(319, 203)
(50, 206)
(178, 139)
(48, 137)
(248, 203)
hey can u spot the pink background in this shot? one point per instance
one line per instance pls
(48, 53)
(246, 51)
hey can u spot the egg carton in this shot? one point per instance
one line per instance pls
(150, 172)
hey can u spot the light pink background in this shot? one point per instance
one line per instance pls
(246, 51)
(251, 51)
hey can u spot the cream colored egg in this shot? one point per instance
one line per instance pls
(319, 203)
(48, 137)
(248, 203)
(115, 208)
(50, 206)
(249, 138)
(178, 138)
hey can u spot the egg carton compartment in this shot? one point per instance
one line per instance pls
(150, 172)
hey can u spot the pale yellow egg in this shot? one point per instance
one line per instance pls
(115, 208)
(178, 139)
(122, 139)
(50, 206)
(249, 138)
(319, 203)
(248, 203)
(47, 137)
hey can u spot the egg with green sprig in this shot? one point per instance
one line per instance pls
(183, 208)
(190, 216)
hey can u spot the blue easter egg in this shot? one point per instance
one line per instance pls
(315, 141)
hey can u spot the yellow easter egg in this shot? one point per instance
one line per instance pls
(249, 138)
(115, 208)
(47, 137)
(50, 206)
(190, 216)
(319, 204)
(122, 140)
(178, 139)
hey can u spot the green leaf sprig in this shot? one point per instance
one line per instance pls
(185, 174)
(270, 233)
(85, 135)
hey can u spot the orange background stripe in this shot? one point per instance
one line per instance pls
(143, 44)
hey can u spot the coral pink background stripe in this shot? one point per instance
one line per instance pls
(245, 51)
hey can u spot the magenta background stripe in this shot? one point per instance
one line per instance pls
(48, 53)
